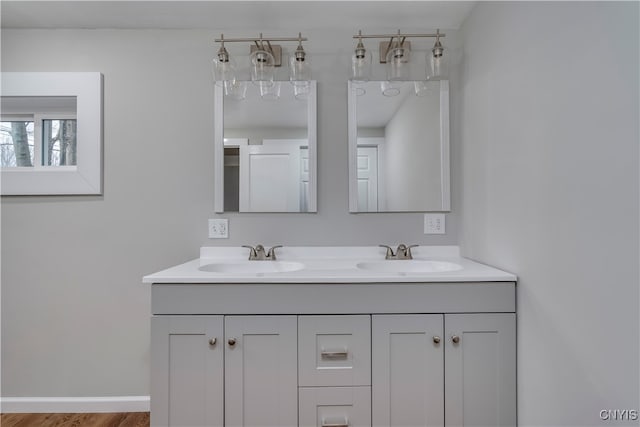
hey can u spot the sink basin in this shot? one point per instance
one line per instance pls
(409, 266)
(252, 267)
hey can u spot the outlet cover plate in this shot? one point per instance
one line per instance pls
(219, 228)
(434, 223)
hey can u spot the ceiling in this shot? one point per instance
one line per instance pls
(225, 15)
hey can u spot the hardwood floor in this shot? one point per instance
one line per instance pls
(124, 419)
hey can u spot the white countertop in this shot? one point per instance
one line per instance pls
(336, 264)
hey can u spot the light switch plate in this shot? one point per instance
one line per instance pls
(434, 223)
(219, 228)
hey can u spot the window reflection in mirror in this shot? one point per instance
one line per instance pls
(38, 131)
(399, 146)
(267, 143)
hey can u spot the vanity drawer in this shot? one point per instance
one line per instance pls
(334, 350)
(335, 406)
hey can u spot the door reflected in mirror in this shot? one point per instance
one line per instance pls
(267, 145)
(399, 146)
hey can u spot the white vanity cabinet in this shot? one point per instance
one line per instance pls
(333, 354)
(408, 370)
(444, 369)
(480, 369)
(224, 371)
(187, 369)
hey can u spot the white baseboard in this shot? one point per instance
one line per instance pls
(74, 404)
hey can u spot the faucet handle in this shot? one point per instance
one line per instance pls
(252, 251)
(407, 251)
(389, 254)
(272, 252)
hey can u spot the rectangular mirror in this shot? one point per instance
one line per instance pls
(265, 149)
(399, 146)
(51, 133)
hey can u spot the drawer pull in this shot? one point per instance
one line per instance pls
(344, 423)
(334, 355)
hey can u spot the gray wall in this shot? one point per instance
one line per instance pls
(549, 125)
(75, 316)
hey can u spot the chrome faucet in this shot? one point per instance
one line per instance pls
(259, 254)
(403, 252)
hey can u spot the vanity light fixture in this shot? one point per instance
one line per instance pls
(395, 53)
(437, 68)
(224, 69)
(300, 71)
(265, 57)
(360, 62)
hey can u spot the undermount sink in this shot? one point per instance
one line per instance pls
(409, 266)
(252, 267)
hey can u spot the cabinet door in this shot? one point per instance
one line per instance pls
(187, 371)
(335, 406)
(480, 369)
(408, 368)
(261, 382)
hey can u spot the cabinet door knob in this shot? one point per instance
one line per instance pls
(436, 339)
(213, 341)
(232, 342)
(455, 339)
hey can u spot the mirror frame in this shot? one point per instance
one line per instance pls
(86, 177)
(218, 200)
(444, 151)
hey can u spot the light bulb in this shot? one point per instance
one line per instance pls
(299, 68)
(398, 63)
(437, 62)
(224, 70)
(360, 64)
(262, 68)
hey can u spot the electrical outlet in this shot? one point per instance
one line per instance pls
(219, 228)
(434, 224)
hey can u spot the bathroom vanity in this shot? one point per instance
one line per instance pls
(333, 336)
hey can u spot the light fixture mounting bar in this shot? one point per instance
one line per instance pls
(388, 36)
(263, 39)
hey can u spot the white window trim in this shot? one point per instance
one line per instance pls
(86, 176)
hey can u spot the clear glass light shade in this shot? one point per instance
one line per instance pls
(437, 66)
(361, 67)
(262, 68)
(270, 92)
(236, 89)
(223, 71)
(398, 63)
(299, 69)
(301, 90)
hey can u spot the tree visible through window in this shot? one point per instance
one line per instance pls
(16, 143)
(55, 138)
(59, 142)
